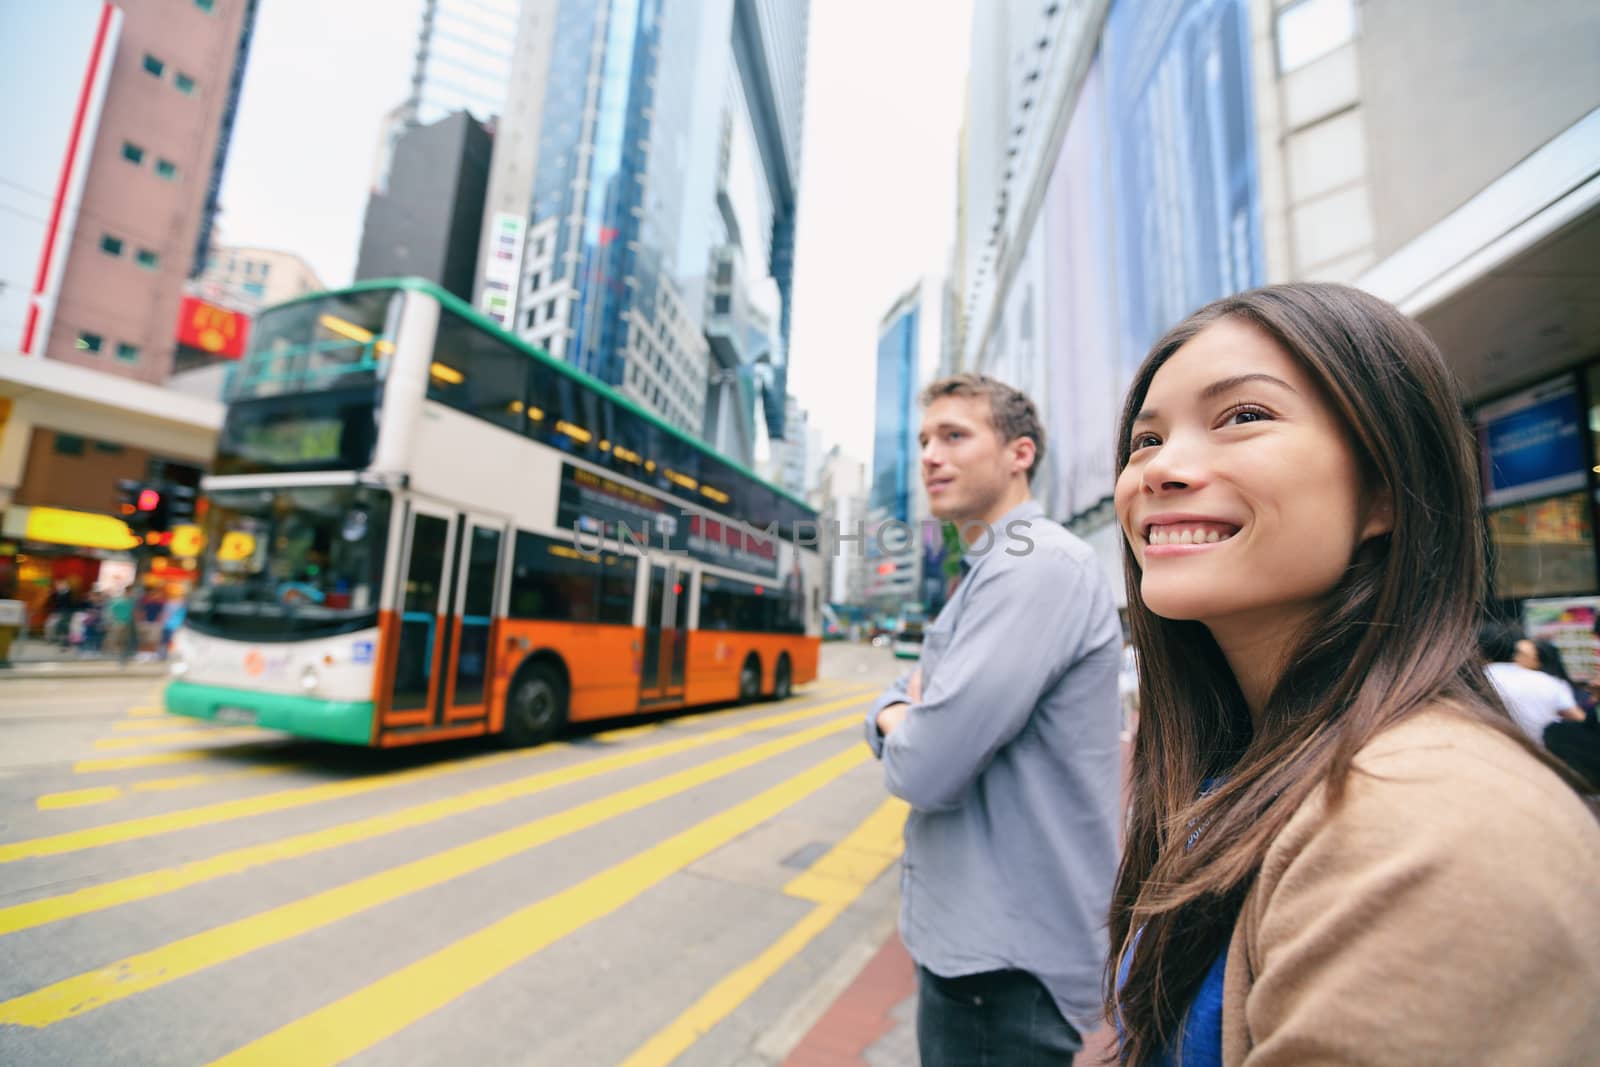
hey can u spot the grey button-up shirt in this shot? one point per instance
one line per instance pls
(1011, 763)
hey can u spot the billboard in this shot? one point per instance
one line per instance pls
(212, 329)
(1086, 379)
(502, 268)
(1531, 444)
(57, 58)
(1188, 215)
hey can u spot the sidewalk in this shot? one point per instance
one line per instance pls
(873, 1022)
(32, 658)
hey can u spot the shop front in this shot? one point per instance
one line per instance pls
(1508, 285)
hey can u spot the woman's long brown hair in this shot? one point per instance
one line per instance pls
(1396, 636)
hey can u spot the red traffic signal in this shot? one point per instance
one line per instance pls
(149, 499)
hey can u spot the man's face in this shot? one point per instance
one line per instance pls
(966, 468)
(1527, 655)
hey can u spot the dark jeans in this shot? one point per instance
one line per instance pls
(996, 1019)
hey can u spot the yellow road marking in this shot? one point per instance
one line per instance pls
(143, 725)
(78, 798)
(224, 811)
(143, 886)
(834, 882)
(360, 1020)
(179, 737)
(146, 712)
(149, 970)
(153, 759)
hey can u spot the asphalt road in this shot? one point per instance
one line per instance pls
(682, 891)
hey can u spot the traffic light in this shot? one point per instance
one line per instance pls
(128, 497)
(180, 505)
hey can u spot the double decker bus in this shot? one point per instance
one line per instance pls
(418, 528)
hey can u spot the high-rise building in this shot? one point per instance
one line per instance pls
(1201, 147)
(463, 59)
(426, 221)
(149, 193)
(911, 340)
(255, 278)
(658, 250)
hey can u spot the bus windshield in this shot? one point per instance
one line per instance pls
(331, 342)
(290, 563)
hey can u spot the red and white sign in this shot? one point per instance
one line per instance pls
(211, 328)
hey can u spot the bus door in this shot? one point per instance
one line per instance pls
(480, 565)
(666, 624)
(418, 655)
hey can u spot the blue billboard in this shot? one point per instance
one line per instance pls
(1532, 444)
(1182, 130)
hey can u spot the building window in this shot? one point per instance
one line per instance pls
(147, 259)
(132, 152)
(527, 319)
(533, 286)
(550, 311)
(111, 246)
(108, 448)
(89, 342)
(154, 66)
(67, 444)
(127, 353)
(184, 83)
(1310, 29)
(720, 305)
(167, 169)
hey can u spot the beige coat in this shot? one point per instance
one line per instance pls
(1448, 912)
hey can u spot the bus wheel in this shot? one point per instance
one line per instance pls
(750, 679)
(536, 706)
(782, 684)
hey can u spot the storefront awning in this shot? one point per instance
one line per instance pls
(1508, 284)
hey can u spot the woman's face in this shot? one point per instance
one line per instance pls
(1242, 497)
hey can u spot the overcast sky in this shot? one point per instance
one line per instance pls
(877, 189)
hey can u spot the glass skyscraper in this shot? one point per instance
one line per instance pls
(463, 60)
(659, 248)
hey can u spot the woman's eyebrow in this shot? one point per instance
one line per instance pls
(1216, 389)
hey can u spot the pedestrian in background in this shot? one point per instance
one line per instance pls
(1536, 700)
(1342, 849)
(121, 615)
(1004, 743)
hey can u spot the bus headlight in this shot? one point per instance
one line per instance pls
(309, 679)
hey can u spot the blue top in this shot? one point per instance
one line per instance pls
(1011, 763)
(1201, 1040)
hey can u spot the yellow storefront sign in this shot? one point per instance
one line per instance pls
(79, 528)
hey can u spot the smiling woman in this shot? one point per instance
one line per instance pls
(1299, 499)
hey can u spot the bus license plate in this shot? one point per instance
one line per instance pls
(236, 716)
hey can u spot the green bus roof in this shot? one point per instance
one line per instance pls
(483, 322)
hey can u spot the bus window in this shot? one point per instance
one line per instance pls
(479, 374)
(551, 579)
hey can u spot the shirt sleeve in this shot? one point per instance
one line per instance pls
(895, 694)
(1429, 923)
(1022, 628)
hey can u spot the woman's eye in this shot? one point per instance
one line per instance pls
(1145, 440)
(1245, 416)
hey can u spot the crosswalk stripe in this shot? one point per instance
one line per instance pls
(179, 737)
(227, 810)
(360, 1020)
(147, 725)
(835, 882)
(149, 970)
(78, 798)
(143, 886)
(153, 759)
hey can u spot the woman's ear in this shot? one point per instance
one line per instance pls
(1380, 516)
